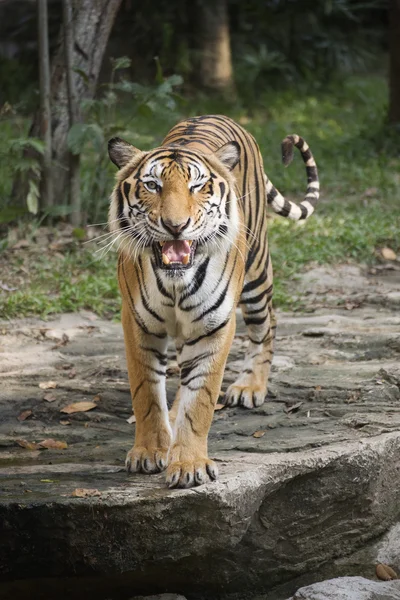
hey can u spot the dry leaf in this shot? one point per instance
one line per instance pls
(258, 434)
(219, 406)
(21, 244)
(78, 407)
(318, 388)
(72, 373)
(85, 493)
(24, 415)
(27, 445)
(48, 385)
(64, 366)
(63, 342)
(388, 254)
(132, 419)
(97, 398)
(49, 397)
(385, 572)
(6, 287)
(293, 408)
(53, 444)
(62, 422)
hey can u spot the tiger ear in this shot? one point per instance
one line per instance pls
(121, 152)
(229, 155)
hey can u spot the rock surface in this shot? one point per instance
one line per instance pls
(350, 588)
(319, 486)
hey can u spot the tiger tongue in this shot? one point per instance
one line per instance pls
(176, 250)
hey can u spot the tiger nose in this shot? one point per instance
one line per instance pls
(175, 228)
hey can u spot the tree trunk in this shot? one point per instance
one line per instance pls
(394, 47)
(93, 20)
(73, 109)
(45, 108)
(215, 61)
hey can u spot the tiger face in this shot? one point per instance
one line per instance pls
(173, 203)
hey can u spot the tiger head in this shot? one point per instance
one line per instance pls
(173, 202)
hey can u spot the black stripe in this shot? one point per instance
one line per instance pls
(144, 300)
(312, 174)
(162, 358)
(206, 335)
(252, 285)
(254, 321)
(198, 279)
(159, 283)
(221, 298)
(122, 220)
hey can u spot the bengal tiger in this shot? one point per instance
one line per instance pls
(191, 221)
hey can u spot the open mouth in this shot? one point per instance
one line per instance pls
(175, 254)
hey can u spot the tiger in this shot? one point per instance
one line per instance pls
(190, 217)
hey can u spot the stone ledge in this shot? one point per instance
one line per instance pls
(267, 520)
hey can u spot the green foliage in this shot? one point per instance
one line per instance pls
(282, 40)
(20, 155)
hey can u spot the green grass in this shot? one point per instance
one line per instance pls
(59, 283)
(359, 165)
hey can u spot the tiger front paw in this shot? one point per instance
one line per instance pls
(191, 473)
(146, 460)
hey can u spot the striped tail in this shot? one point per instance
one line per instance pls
(287, 208)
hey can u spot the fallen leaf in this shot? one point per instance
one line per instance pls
(219, 406)
(78, 407)
(369, 192)
(49, 397)
(85, 493)
(64, 366)
(318, 388)
(24, 415)
(132, 419)
(388, 254)
(6, 287)
(21, 244)
(72, 373)
(293, 408)
(48, 385)
(50, 443)
(385, 572)
(352, 305)
(259, 434)
(62, 422)
(63, 342)
(27, 445)
(97, 398)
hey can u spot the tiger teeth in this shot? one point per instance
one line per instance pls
(186, 259)
(161, 244)
(165, 259)
(190, 242)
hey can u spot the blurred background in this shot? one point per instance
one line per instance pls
(327, 70)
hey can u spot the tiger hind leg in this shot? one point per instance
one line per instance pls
(250, 389)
